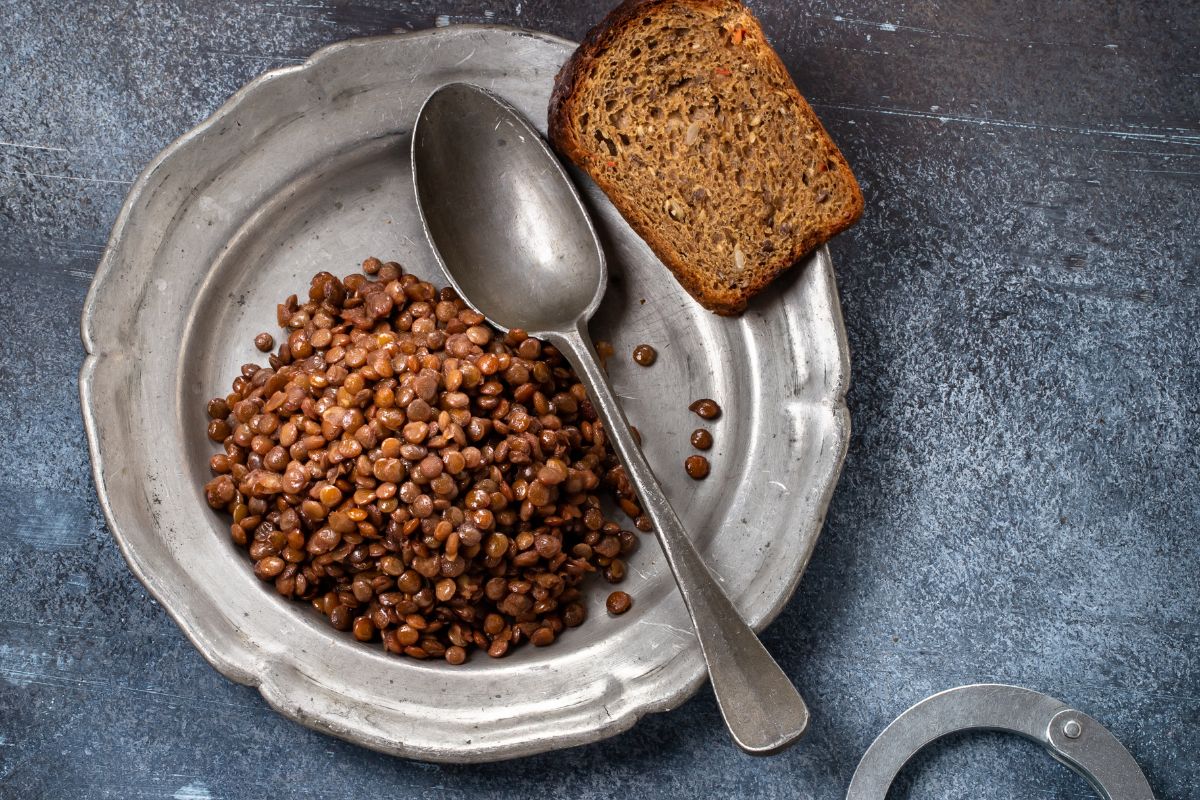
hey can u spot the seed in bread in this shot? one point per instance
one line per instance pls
(687, 119)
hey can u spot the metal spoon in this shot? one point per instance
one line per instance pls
(509, 228)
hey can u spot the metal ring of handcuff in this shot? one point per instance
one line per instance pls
(1070, 736)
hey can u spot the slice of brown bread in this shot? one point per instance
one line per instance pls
(686, 118)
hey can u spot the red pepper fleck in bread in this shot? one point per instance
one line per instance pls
(686, 118)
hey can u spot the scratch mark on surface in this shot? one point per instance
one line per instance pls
(863, 50)
(194, 790)
(77, 245)
(1164, 171)
(81, 274)
(892, 27)
(254, 56)
(39, 677)
(1148, 153)
(35, 147)
(306, 17)
(1189, 140)
(8, 770)
(465, 59)
(672, 628)
(54, 524)
(68, 178)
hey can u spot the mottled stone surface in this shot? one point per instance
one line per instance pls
(1020, 502)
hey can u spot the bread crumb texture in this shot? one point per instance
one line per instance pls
(685, 117)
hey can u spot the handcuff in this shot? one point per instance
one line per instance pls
(1070, 736)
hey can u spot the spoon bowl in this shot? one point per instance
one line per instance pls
(524, 251)
(512, 234)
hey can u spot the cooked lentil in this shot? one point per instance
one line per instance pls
(419, 478)
(706, 408)
(701, 439)
(618, 603)
(644, 355)
(604, 351)
(696, 467)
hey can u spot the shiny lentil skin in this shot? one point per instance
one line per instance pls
(696, 467)
(644, 355)
(705, 408)
(618, 603)
(701, 439)
(424, 481)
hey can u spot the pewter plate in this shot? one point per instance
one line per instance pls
(307, 168)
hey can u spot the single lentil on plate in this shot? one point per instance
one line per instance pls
(619, 603)
(419, 478)
(706, 408)
(644, 355)
(696, 467)
(701, 439)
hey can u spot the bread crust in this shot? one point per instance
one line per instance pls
(564, 137)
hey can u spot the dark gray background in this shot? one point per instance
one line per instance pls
(1019, 503)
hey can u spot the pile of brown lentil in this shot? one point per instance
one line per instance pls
(418, 477)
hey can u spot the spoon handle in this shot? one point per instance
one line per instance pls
(761, 707)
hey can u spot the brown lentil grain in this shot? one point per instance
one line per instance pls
(706, 408)
(604, 351)
(618, 603)
(264, 342)
(574, 615)
(701, 439)
(644, 355)
(696, 467)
